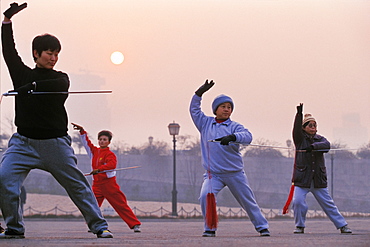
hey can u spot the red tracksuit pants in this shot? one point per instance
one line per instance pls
(111, 191)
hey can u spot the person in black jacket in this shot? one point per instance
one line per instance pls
(310, 172)
(41, 140)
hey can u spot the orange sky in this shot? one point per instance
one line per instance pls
(267, 55)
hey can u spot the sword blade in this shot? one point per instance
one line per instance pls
(254, 145)
(298, 151)
(119, 169)
(62, 92)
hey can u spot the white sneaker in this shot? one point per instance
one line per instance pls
(137, 228)
(298, 230)
(104, 234)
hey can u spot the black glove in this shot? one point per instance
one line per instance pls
(204, 88)
(308, 149)
(226, 139)
(95, 171)
(300, 108)
(14, 8)
(26, 89)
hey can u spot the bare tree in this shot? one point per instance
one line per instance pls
(4, 140)
(189, 145)
(119, 147)
(9, 123)
(364, 151)
(253, 151)
(342, 154)
(157, 148)
(77, 141)
(4, 137)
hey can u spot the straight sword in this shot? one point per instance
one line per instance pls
(11, 93)
(119, 169)
(298, 151)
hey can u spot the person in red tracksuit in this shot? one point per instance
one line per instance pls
(104, 183)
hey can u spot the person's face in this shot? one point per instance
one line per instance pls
(224, 111)
(311, 128)
(103, 141)
(47, 59)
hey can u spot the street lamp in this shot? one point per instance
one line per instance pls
(174, 129)
(332, 153)
(289, 144)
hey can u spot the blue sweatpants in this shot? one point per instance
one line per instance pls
(322, 196)
(55, 156)
(239, 187)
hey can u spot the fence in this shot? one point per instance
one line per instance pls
(231, 213)
(269, 178)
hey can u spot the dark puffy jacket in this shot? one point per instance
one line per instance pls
(309, 166)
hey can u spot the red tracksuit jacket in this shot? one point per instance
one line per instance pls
(102, 159)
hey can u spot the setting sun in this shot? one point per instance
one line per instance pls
(117, 57)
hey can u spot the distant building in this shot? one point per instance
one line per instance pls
(351, 132)
(90, 110)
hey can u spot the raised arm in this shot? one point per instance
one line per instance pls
(297, 127)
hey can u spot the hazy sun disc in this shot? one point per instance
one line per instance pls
(117, 57)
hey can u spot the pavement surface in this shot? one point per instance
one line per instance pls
(187, 232)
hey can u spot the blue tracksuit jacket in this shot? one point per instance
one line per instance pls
(219, 159)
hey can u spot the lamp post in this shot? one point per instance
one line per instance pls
(174, 129)
(289, 144)
(332, 153)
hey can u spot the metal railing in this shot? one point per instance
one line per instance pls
(232, 213)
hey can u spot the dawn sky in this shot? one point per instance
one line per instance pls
(267, 55)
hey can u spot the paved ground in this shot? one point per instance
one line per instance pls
(175, 232)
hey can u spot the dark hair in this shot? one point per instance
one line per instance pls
(105, 133)
(45, 42)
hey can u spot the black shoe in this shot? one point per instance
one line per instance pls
(345, 229)
(264, 233)
(209, 234)
(10, 234)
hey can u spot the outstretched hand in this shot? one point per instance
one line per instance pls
(226, 139)
(95, 171)
(77, 127)
(204, 88)
(25, 89)
(14, 9)
(309, 149)
(300, 108)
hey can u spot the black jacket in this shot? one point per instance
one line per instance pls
(309, 166)
(36, 116)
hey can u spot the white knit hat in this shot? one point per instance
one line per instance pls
(307, 118)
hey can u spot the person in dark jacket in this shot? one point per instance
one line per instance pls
(41, 140)
(310, 172)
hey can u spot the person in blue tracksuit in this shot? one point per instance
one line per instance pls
(222, 160)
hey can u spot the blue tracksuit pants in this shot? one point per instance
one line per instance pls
(55, 156)
(238, 184)
(322, 196)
